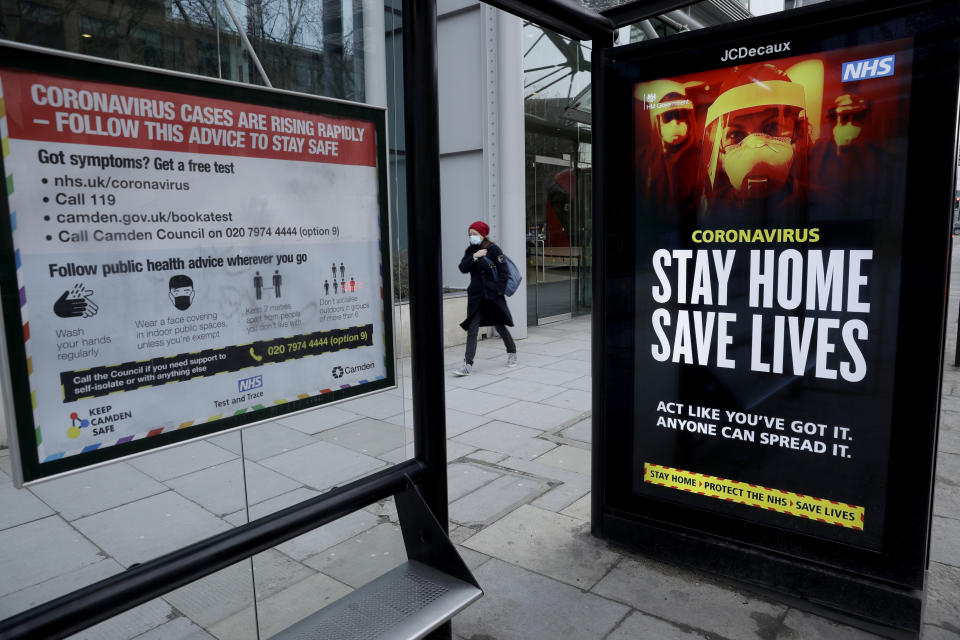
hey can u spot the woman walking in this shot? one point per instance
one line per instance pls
(486, 306)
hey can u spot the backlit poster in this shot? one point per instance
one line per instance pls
(769, 199)
(184, 261)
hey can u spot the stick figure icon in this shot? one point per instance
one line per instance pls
(334, 268)
(326, 287)
(258, 284)
(342, 271)
(277, 281)
(353, 285)
(334, 286)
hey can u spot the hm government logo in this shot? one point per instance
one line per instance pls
(337, 372)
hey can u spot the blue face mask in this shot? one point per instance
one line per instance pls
(475, 239)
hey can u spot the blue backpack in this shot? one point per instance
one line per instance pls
(513, 275)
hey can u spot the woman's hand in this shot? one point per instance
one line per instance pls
(479, 254)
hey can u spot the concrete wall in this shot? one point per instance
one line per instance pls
(480, 76)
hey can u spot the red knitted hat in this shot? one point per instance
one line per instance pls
(482, 228)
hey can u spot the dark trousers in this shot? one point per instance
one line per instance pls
(474, 329)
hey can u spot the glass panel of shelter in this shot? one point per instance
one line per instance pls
(136, 510)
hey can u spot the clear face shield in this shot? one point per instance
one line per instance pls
(757, 148)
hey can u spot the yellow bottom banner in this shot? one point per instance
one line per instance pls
(752, 495)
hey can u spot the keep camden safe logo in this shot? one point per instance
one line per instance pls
(338, 371)
(100, 421)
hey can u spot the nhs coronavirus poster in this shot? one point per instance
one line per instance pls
(769, 199)
(184, 261)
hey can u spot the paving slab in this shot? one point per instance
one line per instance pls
(945, 541)
(488, 457)
(476, 402)
(496, 499)
(521, 537)
(506, 438)
(460, 421)
(149, 528)
(224, 593)
(943, 597)
(583, 384)
(582, 431)
(562, 496)
(947, 494)
(55, 587)
(522, 605)
(573, 366)
(543, 375)
(540, 470)
(266, 440)
(572, 399)
(296, 602)
(177, 629)
(227, 487)
(19, 506)
(38, 551)
(465, 478)
(472, 381)
(534, 415)
(181, 460)
(217, 596)
(367, 436)
(323, 465)
(317, 420)
(129, 624)
(640, 625)
(683, 597)
(272, 505)
(807, 626)
(580, 509)
(567, 457)
(92, 491)
(558, 348)
(473, 559)
(523, 389)
(377, 405)
(329, 535)
(359, 560)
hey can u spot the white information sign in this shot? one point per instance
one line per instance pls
(184, 260)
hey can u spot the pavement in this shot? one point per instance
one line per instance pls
(519, 488)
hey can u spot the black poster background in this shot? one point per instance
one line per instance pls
(860, 207)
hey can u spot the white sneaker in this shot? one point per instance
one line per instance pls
(512, 359)
(463, 371)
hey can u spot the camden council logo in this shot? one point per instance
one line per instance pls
(337, 372)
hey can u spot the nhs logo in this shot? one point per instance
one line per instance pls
(869, 68)
(254, 382)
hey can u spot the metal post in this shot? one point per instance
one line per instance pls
(423, 223)
(599, 285)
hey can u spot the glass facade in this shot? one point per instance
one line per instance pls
(558, 175)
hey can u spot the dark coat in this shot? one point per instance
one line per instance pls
(485, 293)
